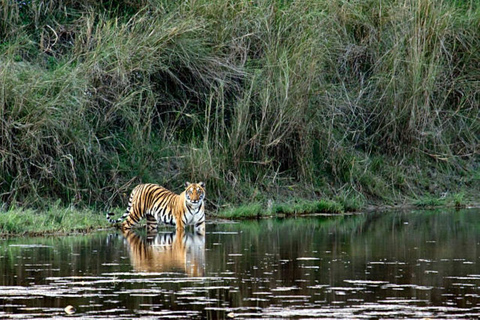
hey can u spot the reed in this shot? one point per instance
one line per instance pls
(261, 100)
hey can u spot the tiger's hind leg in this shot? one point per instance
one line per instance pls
(152, 224)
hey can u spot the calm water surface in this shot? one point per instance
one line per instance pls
(421, 264)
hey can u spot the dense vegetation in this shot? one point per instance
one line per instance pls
(355, 101)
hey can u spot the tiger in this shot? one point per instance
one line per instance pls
(160, 205)
(167, 252)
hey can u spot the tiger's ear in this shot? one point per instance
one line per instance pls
(202, 184)
(187, 184)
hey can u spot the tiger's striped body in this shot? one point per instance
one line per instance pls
(160, 205)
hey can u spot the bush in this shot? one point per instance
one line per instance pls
(250, 97)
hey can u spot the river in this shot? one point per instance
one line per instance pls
(399, 264)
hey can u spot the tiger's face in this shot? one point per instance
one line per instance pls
(195, 192)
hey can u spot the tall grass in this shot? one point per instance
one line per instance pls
(259, 99)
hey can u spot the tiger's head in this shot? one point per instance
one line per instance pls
(195, 193)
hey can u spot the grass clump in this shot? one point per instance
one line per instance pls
(429, 201)
(53, 220)
(255, 210)
(456, 200)
(304, 207)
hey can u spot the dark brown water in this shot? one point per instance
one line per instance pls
(421, 265)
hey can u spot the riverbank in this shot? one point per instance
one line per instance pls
(58, 220)
(339, 206)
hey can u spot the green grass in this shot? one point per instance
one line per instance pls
(457, 200)
(257, 210)
(55, 220)
(304, 207)
(429, 201)
(357, 101)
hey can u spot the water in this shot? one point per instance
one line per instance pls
(380, 265)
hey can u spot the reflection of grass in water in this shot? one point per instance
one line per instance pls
(380, 224)
(53, 252)
(342, 223)
(54, 219)
(432, 224)
(364, 237)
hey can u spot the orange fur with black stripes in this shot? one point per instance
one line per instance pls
(160, 205)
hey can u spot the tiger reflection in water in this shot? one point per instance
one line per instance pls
(179, 251)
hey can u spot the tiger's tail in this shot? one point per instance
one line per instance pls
(109, 216)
